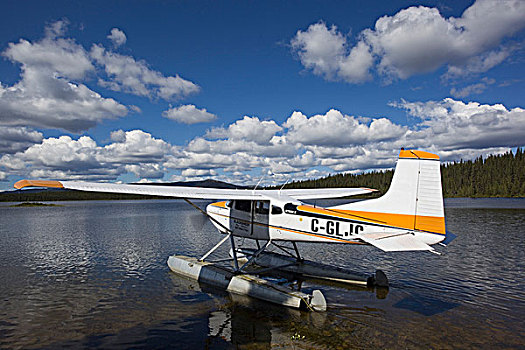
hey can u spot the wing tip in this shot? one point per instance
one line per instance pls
(37, 183)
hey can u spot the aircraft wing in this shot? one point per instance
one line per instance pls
(394, 242)
(324, 193)
(196, 192)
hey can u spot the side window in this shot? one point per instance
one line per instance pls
(276, 210)
(243, 206)
(290, 208)
(262, 207)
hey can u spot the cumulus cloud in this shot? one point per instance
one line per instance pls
(454, 125)
(413, 41)
(298, 148)
(134, 146)
(52, 93)
(54, 54)
(198, 172)
(63, 157)
(248, 128)
(117, 37)
(16, 139)
(305, 145)
(125, 73)
(334, 128)
(325, 52)
(46, 95)
(41, 100)
(145, 172)
(189, 114)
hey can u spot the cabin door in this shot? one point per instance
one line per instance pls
(261, 220)
(241, 217)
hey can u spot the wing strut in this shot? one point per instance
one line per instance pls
(229, 235)
(206, 214)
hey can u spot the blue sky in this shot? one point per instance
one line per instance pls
(238, 91)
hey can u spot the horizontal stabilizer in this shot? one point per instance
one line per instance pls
(397, 242)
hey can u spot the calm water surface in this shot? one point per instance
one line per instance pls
(94, 275)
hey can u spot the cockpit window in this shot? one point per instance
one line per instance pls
(262, 207)
(276, 210)
(290, 208)
(243, 205)
(229, 204)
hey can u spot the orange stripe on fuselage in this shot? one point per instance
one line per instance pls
(423, 223)
(290, 230)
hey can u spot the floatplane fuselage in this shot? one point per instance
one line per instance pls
(409, 216)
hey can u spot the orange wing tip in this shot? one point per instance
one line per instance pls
(37, 183)
(417, 154)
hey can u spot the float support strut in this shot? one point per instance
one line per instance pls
(215, 247)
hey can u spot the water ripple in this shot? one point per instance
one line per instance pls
(95, 275)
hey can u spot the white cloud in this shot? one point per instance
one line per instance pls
(45, 96)
(249, 129)
(16, 139)
(146, 171)
(52, 93)
(334, 128)
(132, 151)
(127, 74)
(41, 100)
(60, 56)
(57, 28)
(324, 51)
(479, 64)
(300, 147)
(477, 88)
(189, 114)
(134, 146)
(413, 41)
(453, 125)
(117, 37)
(198, 172)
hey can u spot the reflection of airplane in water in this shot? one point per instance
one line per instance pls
(409, 217)
(240, 321)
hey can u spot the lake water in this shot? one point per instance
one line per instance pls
(94, 275)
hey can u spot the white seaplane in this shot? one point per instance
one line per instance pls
(408, 217)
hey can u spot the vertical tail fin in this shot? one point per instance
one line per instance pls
(414, 200)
